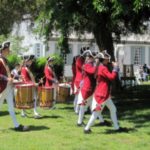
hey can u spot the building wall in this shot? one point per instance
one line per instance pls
(124, 51)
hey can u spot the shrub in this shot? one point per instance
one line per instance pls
(12, 60)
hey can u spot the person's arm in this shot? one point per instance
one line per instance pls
(49, 75)
(2, 76)
(89, 68)
(31, 75)
(109, 75)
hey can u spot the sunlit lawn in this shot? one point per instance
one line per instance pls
(57, 129)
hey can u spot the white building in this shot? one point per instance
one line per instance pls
(133, 49)
(34, 43)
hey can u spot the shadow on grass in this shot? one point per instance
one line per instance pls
(52, 117)
(5, 113)
(127, 130)
(38, 128)
(46, 117)
(135, 112)
(34, 128)
(66, 108)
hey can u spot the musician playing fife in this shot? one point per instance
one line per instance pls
(28, 78)
(78, 78)
(6, 88)
(102, 93)
(87, 88)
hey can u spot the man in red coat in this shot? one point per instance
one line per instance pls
(49, 73)
(88, 85)
(28, 78)
(6, 89)
(78, 78)
(102, 93)
(89, 70)
(50, 76)
(73, 67)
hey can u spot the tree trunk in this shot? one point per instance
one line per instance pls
(104, 39)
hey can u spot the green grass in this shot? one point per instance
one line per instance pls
(57, 130)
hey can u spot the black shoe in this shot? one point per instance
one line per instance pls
(105, 123)
(81, 124)
(87, 131)
(121, 129)
(22, 128)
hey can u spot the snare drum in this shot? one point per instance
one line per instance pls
(63, 93)
(46, 96)
(24, 96)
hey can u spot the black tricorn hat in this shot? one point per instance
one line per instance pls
(28, 57)
(50, 58)
(87, 53)
(4, 45)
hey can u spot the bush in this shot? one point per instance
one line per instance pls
(12, 60)
(39, 64)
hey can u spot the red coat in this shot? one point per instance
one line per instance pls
(25, 75)
(79, 64)
(73, 78)
(49, 75)
(104, 78)
(3, 76)
(89, 81)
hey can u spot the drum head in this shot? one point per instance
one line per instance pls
(24, 85)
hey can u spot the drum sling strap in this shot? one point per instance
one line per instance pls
(6, 67)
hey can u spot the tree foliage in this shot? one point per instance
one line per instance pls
(106, 19)
(16, 43)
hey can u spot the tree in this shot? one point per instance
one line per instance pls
(12, 11)
(16, 42)
(106, 19)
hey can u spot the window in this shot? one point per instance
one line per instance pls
(69, 57)
(138, 55)
(37, 49)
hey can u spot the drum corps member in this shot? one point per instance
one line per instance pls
(50, 76)
(78, 78)
(6, 90)
(73, 67)
(15, 73)
(102, 93)
(88, 85)
(28, 78)
(49, 73)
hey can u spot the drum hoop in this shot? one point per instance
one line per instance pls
(67, 87)
(47, 88)
(24, 85)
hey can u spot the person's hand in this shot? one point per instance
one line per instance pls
(10, 80)
(97, 62)
(115, 64)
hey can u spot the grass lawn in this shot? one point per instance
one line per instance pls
(57, 129)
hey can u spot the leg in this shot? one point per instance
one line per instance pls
(81, 109)
(100, 117)
(76, 106)
(81, 115)
(36, 114)
(113, 113)
(9, 98)
(23, 113)
(91, 121)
